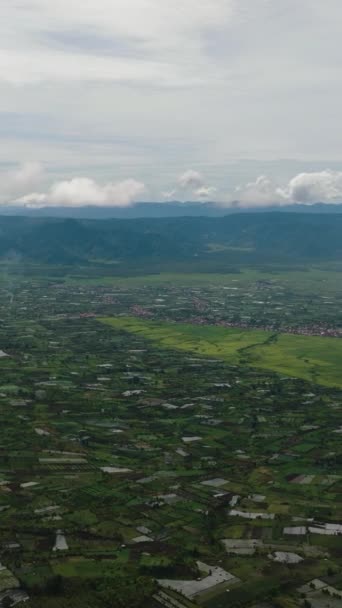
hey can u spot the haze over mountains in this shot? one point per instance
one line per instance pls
(206, 241)
(165, 209)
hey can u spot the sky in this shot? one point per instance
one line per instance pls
(109, 102)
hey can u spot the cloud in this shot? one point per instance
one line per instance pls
(125, 41)
(307, 188)
(247, 80)
(34, 68)
(81, 191)
(321, 186)
(205, 192)
(190, 179)
(25, 186)
(190, 186)
(169, 195)
(27, 176)
(260, 193)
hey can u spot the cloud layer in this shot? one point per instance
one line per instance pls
(154, 87)
(130, 41)
(308, 188)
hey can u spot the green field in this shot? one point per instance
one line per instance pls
(312, 280)
(308, 357)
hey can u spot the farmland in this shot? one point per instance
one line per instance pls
(307, 357)
(170, 441)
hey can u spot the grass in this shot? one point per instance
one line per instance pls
(88, 568)
(308, 357)
(7, 580)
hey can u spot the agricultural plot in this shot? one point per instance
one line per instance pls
(147, 462)
(308, 357)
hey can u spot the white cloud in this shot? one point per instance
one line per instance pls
(124, 41)
(321, 186)
(246, 79)
(308, 188)
(26, 185)
(260, 193)
(190, 186)
(205, 193)
(190, 179)
(20, 68)
(84, 191)
(14, 183)
(27, 175)
(169, 195)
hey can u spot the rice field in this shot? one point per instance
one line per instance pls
(313, 358)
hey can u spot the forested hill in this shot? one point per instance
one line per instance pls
(235, 238)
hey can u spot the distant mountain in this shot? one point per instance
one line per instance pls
(233, 239)
(169, 209)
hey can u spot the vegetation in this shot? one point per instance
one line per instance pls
(307, 357)
(170, 440)
(242, 238)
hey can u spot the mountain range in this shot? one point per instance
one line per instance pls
(165, 209)
(207, 241)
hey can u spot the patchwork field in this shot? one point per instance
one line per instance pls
(309, 357)
(157, 459)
